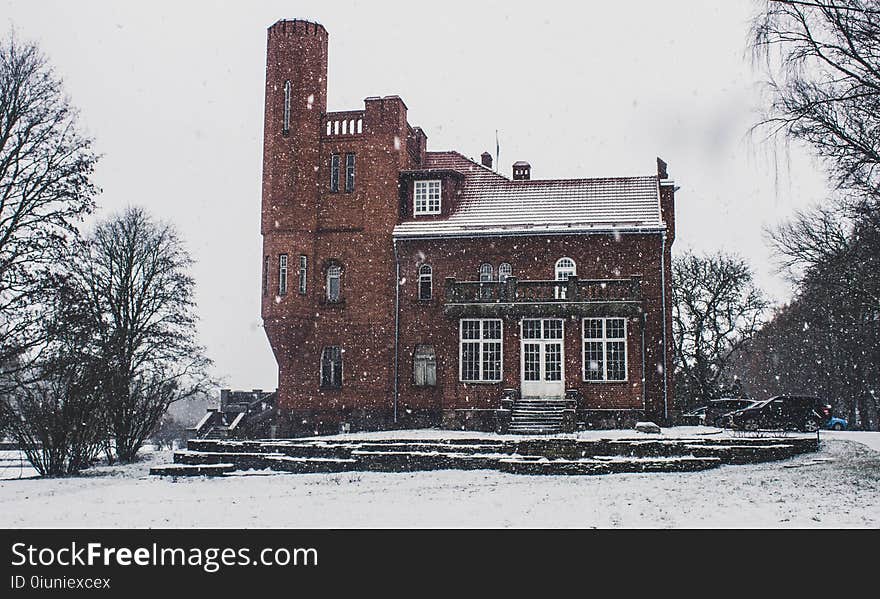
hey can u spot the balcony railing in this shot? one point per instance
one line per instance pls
(514, 291)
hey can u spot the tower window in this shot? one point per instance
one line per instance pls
(334, 282)
(265, 275)
(334, 173)
(331, 367)
(425, 282)
(303, 274)
(485, 272)
(285, 125)
(349, 173)
(282, 274)
(426, 197)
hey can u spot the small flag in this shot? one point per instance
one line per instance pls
(497, 150)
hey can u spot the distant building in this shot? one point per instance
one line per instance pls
(407, 287)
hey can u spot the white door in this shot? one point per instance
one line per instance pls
(542, 357)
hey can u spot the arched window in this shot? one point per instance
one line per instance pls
(485, 272)
(425, 282)
(334, 282)
(504, 271)
(424, 366)
(565, 267)
(331, 367)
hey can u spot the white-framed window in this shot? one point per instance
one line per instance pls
(480, 350)
(604, 350)
(282, 274)
(303, 274)
(565, 267)
(331, 367)
(504, 271)
(285, 121)
(424, 366)
(425, 282)
(334, 282)
(486, 272)
(426, 197)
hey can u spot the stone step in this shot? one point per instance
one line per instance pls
(559, 414)
(538, 416)
(605, 465)
(534, 431)
(193, 470)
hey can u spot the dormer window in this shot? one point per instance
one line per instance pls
(426, 198)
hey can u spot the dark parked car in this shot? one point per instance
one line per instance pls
(694, 417)
(787, 412)
(719, 408)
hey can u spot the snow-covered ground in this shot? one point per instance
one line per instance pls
(838, 487)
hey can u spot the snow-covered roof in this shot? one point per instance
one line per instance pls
(492, 204)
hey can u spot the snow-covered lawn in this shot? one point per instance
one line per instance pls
(837, 487)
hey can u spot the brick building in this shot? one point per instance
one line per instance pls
(407, 287)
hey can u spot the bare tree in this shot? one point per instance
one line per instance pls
(134, 273)
(823, 61)
(170, 430)
(56, 418)
(55, 410)
(716, 307)
(822, 58)
(828, 340)
(45, 164)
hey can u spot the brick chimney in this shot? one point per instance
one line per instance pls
(522, 171)
(486, 158)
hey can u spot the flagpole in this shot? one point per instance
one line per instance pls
(497, 151)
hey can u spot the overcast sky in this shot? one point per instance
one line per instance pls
(173, 94)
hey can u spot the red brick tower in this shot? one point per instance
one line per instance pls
(330, 203)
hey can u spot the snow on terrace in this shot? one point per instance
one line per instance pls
(837, 487)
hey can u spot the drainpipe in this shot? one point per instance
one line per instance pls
(396, 324)
(663, 296)
(644, 374)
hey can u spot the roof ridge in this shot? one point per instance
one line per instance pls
(583, 179)
(472, 161)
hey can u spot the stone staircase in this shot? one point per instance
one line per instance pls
(537, 415)
(520, 455)
(217, 432)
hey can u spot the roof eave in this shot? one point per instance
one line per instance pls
(641, 230)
